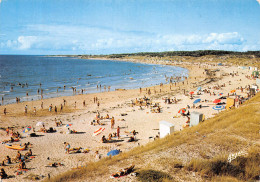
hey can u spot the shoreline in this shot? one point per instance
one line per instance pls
(114, 103)
(68, 91)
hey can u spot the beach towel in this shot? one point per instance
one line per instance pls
(97, 132)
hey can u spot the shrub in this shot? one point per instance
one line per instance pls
(153, 176)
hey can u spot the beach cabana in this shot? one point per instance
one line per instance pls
(252, 91)
(195, 118)
(166, 128)
(255, 74)
(230, 103)
(258, 81)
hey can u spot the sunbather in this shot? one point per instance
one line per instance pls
(103, 139)
(8, 160)
(3, 174)
(29, 153)
(22, 165)
(18, 156)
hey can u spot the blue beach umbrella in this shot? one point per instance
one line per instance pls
(218, 107)
(199, 88)
(113, 152)
(196, 101)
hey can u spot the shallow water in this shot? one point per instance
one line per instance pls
(55, 72)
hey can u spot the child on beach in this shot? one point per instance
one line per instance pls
(67, 147)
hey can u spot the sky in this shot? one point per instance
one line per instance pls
(52, 27)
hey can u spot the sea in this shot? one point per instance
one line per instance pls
(20, 74)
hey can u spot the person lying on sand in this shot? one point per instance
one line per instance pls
(132, 139)
(3, 174)
(58, 123)
(55, 164)
(131, 132)
(123, 172)
(110, 136)
(29, 153)
(10, 141)
(73, 131)
(107, 116)
(43, 130)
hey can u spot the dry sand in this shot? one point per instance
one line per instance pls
(50, 145)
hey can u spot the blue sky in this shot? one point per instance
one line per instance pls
(43, 27)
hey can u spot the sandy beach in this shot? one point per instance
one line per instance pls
(49, 147)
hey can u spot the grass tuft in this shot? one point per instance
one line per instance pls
(153, 176)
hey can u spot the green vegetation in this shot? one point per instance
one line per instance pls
(243, 167)
(153, 176)
(198, 53)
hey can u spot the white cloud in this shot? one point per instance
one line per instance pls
(224, 38)
(96, 40)
(26, 42)
(258, 1)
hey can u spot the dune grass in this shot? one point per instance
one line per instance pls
(229, 132)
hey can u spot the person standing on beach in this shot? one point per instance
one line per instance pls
(118, 132)
(84, 103)
(75, 104)
(55, 109)
(112, 122)
(61, 107)
(4, 111)
(64, 102)
(25, 109)
(42, 105)
(34, 110)
(50, 107)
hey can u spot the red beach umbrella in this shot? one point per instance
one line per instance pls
(191, 93)
(216, 101)
(232, 91)
(182, 110)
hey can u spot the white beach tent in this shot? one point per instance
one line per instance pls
(195, 118)
(166, 128)
(40, 124)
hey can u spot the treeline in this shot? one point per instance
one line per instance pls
(198, 53)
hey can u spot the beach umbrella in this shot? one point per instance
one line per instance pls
(40, 124)
(113, 152)
(67, 125)
(182, 110)
(199, 88)
(220, 94)
(196, 101)
(217, 101)
(232, 91)
(219, 107)
(27, 129)
(191, 93)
